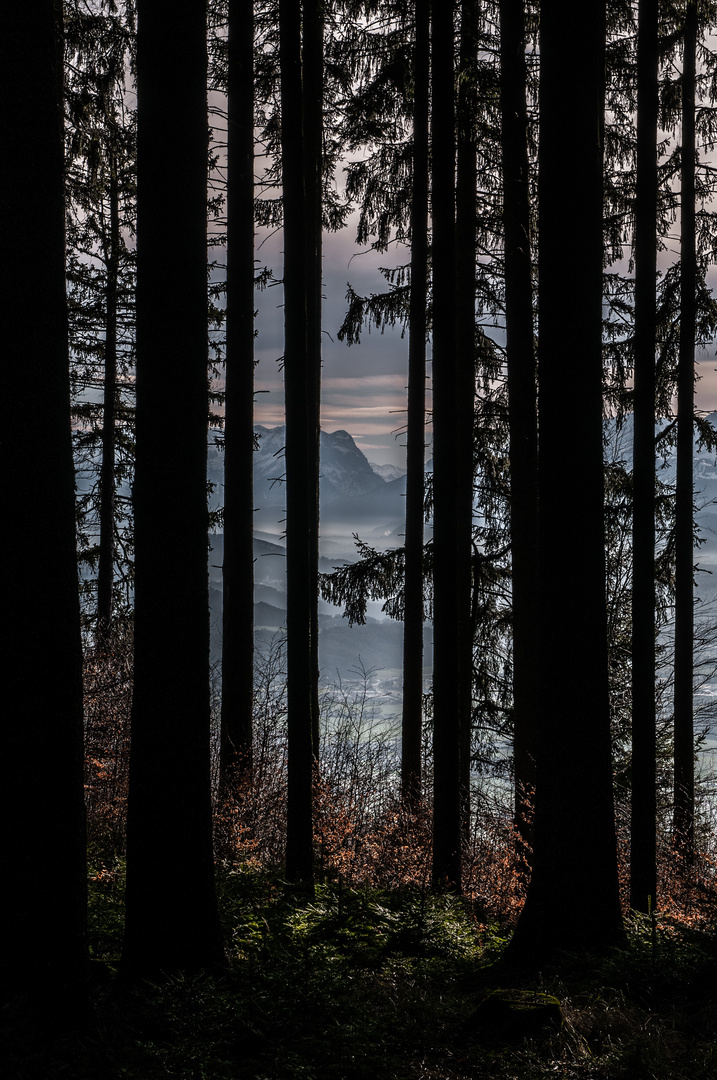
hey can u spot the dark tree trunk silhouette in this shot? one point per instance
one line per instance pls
(573, 899)
(43, 938)
(238, 570)
(643, 851)
(412, 718)
(301, 461)
(684, 748)
(447, 698)
(171, 913)
(105, 569)
(522, 409)
(313, 103)
(466, 223)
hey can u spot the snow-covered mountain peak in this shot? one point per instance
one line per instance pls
(387, 472)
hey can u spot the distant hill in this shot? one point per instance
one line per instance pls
(378, 644)
(388, 472)
(356, 498)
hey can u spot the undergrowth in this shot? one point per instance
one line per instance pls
(374, 977)
(374, 983)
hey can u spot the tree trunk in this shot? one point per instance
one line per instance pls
(412, 718)
(643, 851)
(105, 570)
(447, 698)
(43, 938)
(466, 223)
(522, 412)
(238, 571)
(313, 126)
(301, 469)
(684, 779)
(171, 913)
(573, 901)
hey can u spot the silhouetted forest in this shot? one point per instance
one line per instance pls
(239, 867)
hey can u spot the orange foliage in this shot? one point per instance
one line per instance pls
(362, 832)
(686, 891)
(108, 702)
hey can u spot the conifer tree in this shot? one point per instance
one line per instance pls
(447, 652)
(465, 372)
(643, 871)
(573, 899)
(43, 938)
(100, 152)
(379, 182)
(684, 807)
(522, 403)
(412, 717)
(301, 449)
(238, 568)
(172, 922)
(312, 59)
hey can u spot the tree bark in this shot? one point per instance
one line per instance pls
(643, 848)
(412, 717)
(171, 913)
(684, 749)
(447, 698)
(466, 225)
(301, 466)
(573, 899)
(238, 570)
(313, 127)
(105, 569)
(43, 935)
(522, 412)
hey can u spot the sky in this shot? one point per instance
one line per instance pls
(706, 364)
(363, 386)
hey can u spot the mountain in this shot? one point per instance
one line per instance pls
(354, 498)
(388, 472)
(344, 468)
(269, 570)
(343, 648)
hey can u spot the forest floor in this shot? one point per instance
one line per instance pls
(370, 985)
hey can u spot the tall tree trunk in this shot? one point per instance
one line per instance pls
(43, 939)
(171, 914)
(238, 572)
(300, 392)
(447, 698)
(522, 411)
(466, 223)
(684, 780)
(572, 902)
(412, 717)
(105, 570)
(643, 849)
(313, 126)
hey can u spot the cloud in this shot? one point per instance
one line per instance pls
(385, 383)
(706, 393)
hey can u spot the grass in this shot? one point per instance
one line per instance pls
(364, 983)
